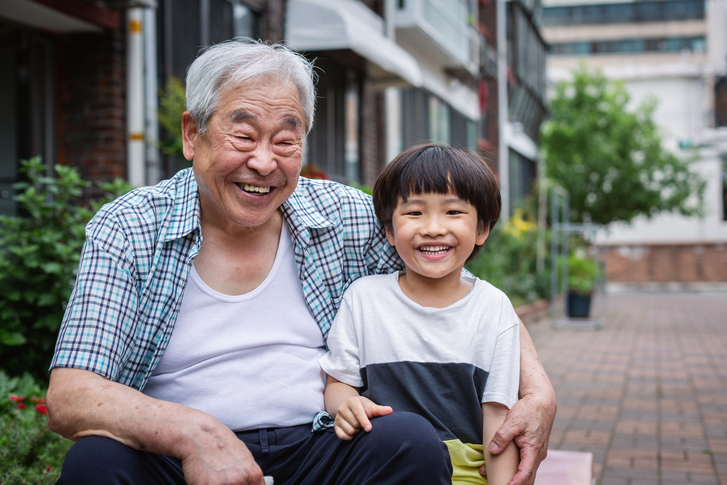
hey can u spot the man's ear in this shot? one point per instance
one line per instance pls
(482, 235)
(390, 236)
(189, 135)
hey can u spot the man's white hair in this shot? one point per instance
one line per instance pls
(235, 61)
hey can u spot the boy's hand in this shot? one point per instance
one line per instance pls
(354, 414)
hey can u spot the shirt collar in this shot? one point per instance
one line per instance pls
(185, 215)
(301, 215)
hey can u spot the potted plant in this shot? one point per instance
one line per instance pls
(581, 278)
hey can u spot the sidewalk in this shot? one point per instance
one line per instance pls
(647, 394)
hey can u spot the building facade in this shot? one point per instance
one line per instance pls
(512, 94)
(81, 80)
(674, 51)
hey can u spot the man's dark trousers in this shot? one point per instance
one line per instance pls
(402, 448)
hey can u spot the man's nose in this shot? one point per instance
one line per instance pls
(262, 159)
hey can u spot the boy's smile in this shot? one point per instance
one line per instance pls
(434, 234)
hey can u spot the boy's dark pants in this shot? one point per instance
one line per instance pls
(402, 448)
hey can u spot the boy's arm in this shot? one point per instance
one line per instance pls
(531, 418)
(350, 410)
(502, 467)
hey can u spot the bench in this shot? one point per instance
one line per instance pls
(566, 468)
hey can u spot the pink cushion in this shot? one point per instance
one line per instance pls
(565, 468)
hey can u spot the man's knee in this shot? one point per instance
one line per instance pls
(96, 459)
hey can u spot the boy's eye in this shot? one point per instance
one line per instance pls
(453, 212)
(414, 213)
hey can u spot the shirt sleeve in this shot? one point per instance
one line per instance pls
(503, 380)
(342, 361)
(99, 326)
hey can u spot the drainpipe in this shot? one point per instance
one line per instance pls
(151, 88)
(502, 107)
(135, 98)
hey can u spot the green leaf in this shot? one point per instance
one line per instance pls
(12, 338)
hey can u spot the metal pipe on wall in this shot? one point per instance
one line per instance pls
(135, 98)
(502, 108)
(151, 88)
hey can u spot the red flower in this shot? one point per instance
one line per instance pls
(37, 400)
(21, 405)
(41, 408)
(15, 398)
(47, 470)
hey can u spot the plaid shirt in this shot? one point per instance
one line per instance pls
(140, 248)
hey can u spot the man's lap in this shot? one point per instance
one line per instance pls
(401, 448)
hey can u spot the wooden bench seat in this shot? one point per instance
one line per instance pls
(566, 468)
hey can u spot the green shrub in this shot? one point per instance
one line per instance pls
(29, 451)
(39, 254)
(508, 260)
(581, 274)
(172, 104)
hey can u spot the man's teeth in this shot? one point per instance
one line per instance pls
(434, 249)
(255, 188)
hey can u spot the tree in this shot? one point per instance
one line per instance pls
(612, 160)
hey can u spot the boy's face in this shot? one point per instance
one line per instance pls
(435, 234)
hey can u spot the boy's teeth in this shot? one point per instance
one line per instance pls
(434, 249)
(255, 188)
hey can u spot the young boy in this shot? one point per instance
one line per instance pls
(429, 340)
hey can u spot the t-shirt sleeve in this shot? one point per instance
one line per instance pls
(504, 376)
(342, 361)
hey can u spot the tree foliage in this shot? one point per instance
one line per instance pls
(610, 159)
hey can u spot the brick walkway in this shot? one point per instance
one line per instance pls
(647, 394)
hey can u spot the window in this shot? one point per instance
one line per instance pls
(625, 12)
(724, 187)
(629, 46)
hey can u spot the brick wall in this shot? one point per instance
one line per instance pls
(373, 133)
(688, 263)
(489, 137)
(92, 105)
(273, 28)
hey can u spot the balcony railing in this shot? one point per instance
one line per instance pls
(443, 25)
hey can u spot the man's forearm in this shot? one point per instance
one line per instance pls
(533, 379)
(82, 403)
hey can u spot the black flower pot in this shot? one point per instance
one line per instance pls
(579, 305)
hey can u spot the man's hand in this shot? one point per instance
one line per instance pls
(528, 423)
(217, 463)
(355, 413)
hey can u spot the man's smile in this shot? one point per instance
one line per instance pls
(255, 188)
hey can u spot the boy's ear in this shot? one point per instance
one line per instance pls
(390, 236)
(482, 235)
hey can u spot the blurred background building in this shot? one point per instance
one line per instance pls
(80, 80)
(676, 52)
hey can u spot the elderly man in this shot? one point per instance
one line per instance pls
(188, 352)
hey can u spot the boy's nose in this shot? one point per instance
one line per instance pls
(433, 226)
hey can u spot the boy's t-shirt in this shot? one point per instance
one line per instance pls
(441, 363)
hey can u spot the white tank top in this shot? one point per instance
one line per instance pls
(250, 360)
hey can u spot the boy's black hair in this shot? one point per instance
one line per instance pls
(438, 169)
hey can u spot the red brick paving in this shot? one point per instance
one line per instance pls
(646, 394)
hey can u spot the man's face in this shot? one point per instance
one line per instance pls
(247, 162)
